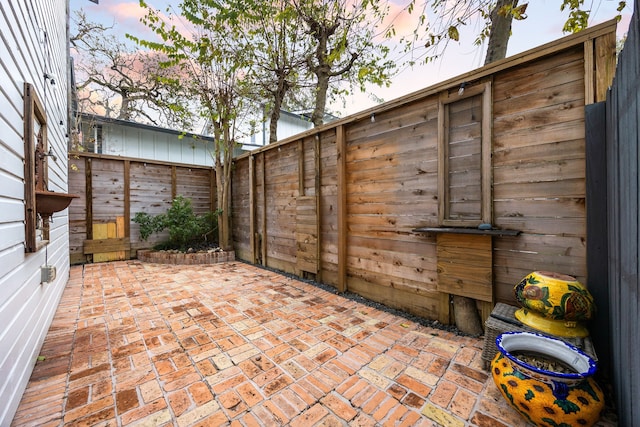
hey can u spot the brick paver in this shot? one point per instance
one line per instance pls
(233, 344)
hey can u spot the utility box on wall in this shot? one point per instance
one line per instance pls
(47, 273)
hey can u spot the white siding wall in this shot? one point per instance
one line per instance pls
(27, 306)
(159, 145)
(289, 126)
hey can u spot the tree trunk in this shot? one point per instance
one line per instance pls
(466, 314)
(273, 126)
(224, 190)
(273, 121)
(500, 31)
(124, 113)
(279, 94)
(223, 167)
(317, 117)
(222, 217)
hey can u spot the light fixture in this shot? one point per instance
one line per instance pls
(373, 117)
(50, 77)
(461, 90)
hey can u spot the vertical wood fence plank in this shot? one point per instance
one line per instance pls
(88, 197)
(605, 64)
(623, 220)
(174, 183)
(100, 231)
(263, 227)
(597, 247)
(613, 230)
(213, 195)
(252, 208)
(317, 183)
(126, 232)
(300, 154)
(342, 208)
(120, 232)
(487, 149)
(589, 70)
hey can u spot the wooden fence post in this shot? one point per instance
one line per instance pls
(342, 208)
(127, 204)
(263, 240)
(252, 208)
(317, 184)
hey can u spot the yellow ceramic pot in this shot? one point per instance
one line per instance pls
(554, 303)
(544, 397)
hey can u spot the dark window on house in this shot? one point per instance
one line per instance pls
(36, 149)
(91, 138)
(96, 139)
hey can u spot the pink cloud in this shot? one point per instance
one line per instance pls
(403, 21)
(125, 11)
(128, 15)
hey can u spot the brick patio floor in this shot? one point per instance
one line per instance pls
(233, 344)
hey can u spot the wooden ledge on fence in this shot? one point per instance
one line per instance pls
(106, 245)
(161, 257)
(463, 230)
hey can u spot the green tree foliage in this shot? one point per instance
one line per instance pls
(344, 45)
(271, 36)
(440, 22)
(228, 52)
(211, 68)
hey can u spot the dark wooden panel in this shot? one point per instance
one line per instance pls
(623, 220)
(597, 245)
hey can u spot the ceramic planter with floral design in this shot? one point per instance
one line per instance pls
(547, 396)
(554, 303)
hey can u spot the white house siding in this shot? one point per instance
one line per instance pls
(121, 138)
(290, 124)
(26, 305)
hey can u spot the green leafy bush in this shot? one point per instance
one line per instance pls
(186, 229)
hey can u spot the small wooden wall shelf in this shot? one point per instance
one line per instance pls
(461, 230)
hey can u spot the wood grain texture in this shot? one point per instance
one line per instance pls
(465, 266)
(306, 234)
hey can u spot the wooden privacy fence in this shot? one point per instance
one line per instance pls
(113, 189)
(614, 138)
(387, 203)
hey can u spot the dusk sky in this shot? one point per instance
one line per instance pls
(544, 24)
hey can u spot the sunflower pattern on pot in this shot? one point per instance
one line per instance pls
(555, 296)
(547, 398)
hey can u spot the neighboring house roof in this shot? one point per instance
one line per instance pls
(103, 119)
